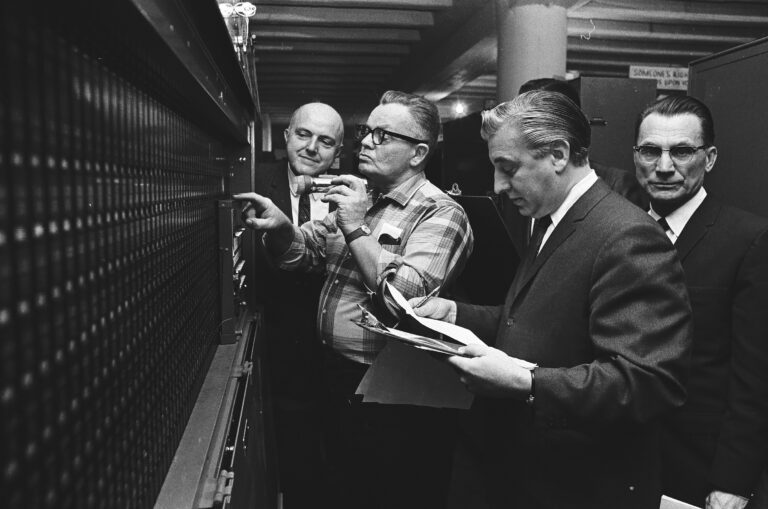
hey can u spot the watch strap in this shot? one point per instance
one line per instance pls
(360, 231)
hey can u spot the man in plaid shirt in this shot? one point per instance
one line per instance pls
(404, 231)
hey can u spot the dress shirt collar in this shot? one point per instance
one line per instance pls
(576, 192)
(679, 217)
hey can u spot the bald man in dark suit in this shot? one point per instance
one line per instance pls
(313, 140)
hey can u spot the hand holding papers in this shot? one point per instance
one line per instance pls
(372, 324)
(411, 376)
(453, 336)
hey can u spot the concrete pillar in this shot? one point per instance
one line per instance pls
(532, 43)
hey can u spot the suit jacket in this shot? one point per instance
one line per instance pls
(604, 312)
(623, 182)
(719, 439)
(289, 300)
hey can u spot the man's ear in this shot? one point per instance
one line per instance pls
(560, 151)
(711, 158)
(285, 135)
(420, 153)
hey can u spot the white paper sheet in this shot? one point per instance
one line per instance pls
(460, 334)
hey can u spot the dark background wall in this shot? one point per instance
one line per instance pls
(732, 84)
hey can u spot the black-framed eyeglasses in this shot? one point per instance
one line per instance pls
(680, 154)
(378, 135)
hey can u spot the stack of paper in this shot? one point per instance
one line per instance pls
(673, 503)
(405, 375)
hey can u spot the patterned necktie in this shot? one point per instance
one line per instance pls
(304, 214)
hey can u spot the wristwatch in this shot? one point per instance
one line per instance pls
(531, 396)
(360, 231)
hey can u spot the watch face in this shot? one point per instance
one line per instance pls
(365, 229)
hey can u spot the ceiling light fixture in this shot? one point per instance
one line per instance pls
(237, 16)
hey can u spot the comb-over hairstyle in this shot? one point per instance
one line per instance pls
(542, 118)
(680, 105)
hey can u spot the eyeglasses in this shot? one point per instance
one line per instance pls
(377, 135)
(652, 153)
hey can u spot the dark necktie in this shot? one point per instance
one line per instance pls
(534, 244)
(539, 229)
(304, 214)
(664, 224)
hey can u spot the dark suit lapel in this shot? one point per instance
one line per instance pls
(562, 231)
(279, 191)
(697, 227)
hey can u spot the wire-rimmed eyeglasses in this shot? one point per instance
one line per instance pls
(679, 154)
(378, 135)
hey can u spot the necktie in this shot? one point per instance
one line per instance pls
(664, 224)
(539, 229)
(304, 214)
(534, 244)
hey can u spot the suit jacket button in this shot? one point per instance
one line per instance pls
(510, 322)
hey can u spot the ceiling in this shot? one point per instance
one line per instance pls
(347, 52)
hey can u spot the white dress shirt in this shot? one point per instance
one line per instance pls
(679, 217)
(317, 209)
(576, 192)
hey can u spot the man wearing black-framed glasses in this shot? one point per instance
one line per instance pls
(379, 135)
(715, 446)
(411, 235)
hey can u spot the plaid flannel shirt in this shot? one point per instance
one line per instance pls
(434, 240)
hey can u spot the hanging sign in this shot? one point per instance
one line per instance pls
(667, 78)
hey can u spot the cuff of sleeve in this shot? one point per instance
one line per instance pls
(295, 251)
(733, 476)
(546, 414)
(386, 264)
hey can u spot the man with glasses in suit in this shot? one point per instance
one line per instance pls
(404, 231)
(715, 446)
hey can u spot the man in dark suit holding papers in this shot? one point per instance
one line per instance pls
(599, 304)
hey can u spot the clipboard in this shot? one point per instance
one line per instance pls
(415, 340)
(446, 337)
(404, 374)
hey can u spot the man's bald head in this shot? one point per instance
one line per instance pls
(320, 110)
(313, 138)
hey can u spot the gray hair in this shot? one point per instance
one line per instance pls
(423, 111)
(542, 118)
(681, 105)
